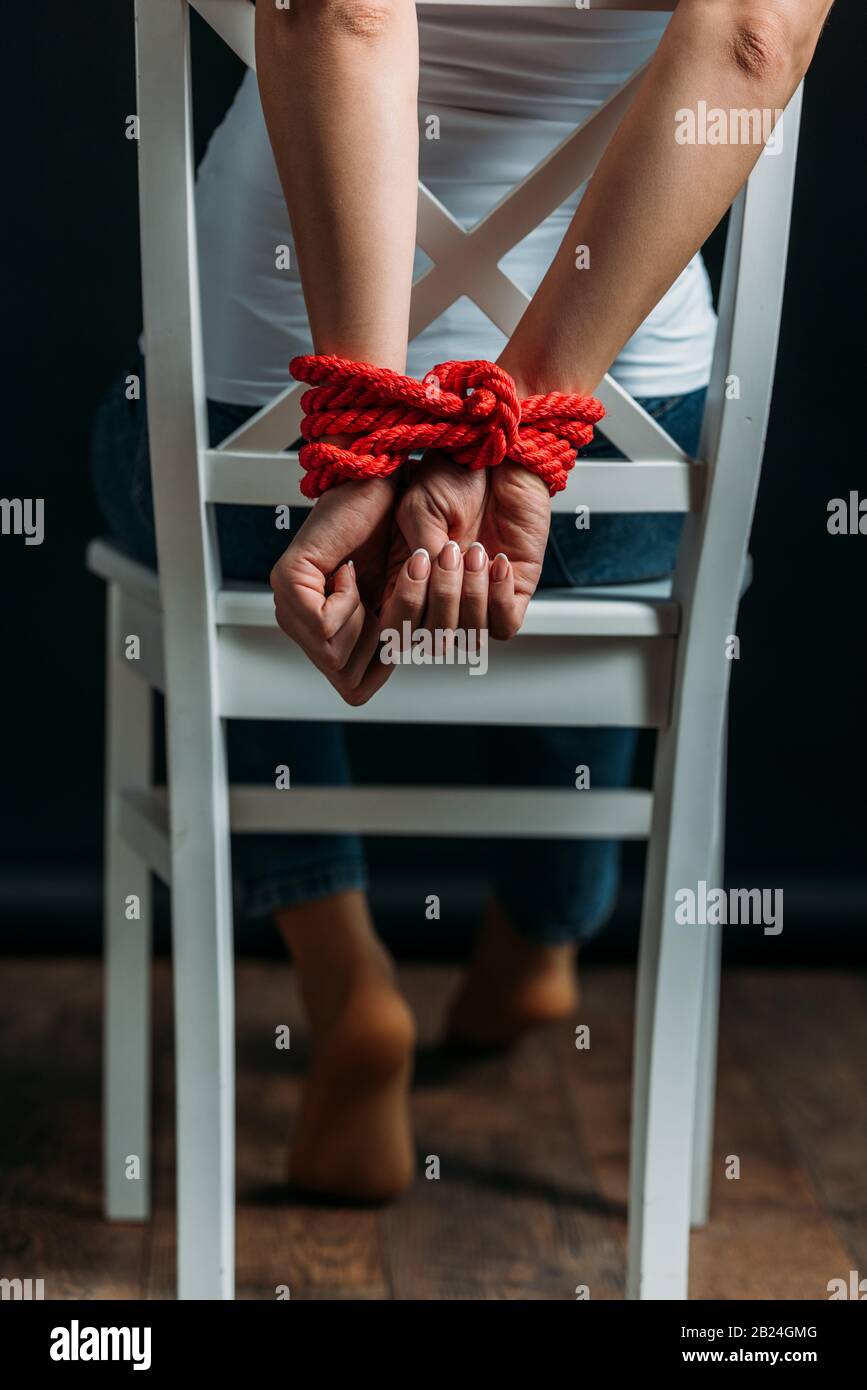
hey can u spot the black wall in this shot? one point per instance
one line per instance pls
(797, 817)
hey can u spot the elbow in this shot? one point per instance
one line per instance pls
(363, 21)
(771, 44)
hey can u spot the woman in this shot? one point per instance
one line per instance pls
(340, 89)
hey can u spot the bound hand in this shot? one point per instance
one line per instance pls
(329, 582)
(485, 531)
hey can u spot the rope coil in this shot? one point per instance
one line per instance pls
(470, 410)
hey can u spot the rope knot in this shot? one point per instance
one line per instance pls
(489, 408)
(470, 410)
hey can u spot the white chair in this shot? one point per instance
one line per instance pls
(645, 656)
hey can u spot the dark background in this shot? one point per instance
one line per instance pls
(797, 815)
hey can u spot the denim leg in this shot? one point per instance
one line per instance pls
(274, 870)
(278, 870)
(624, 548)
(559, 891)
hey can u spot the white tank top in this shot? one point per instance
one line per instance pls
(506, 86)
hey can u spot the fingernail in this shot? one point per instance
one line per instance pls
(450, 556)
(475, 558)
(500, 568)
(350, 564)
(419, 564)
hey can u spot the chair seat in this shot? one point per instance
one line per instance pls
(618, 675)
(620, 610)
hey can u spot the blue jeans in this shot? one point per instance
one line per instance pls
(555, 891)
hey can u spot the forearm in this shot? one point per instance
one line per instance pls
(653, 201)
(339, 89)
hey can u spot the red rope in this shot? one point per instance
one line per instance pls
(469, 409)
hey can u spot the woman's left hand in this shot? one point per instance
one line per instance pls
(328, 584)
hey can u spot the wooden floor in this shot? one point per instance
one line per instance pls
(532, 1150)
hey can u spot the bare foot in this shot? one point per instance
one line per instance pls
(353, 1137)
(513, 984)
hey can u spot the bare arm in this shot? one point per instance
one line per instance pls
(653, 201)
(338, 80)
(647, 210)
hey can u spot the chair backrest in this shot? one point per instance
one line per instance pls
(718, 491)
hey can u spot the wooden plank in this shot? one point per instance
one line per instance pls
(761, 1226)
(637, 435)
(660, 479)
(520, 811)
(805, 1035)
(514, 1214)
(160, 1276)
(616, 611)
(762, 1223)
(316, 1251)
(189, 570)
(127, 945)
(143, 823)
(429, 811)
(51, 1223)
(643, 609)
(105, 558)
(612, 682)
(533, 1149)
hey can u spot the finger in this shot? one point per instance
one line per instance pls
(333, 658)
(444, 595)
(342, 603)
(400, 614)
(305, 611)
(337, 654)
(398, 554)
(308, 616)
(407, 601)
(338, 648)
(474, 594)
(419, 530)
(502, 607)
(363, 660)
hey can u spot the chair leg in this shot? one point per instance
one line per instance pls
(705, 1099)
(127, 942)
(705, 1094)
(203, 970)
(668, 1029)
